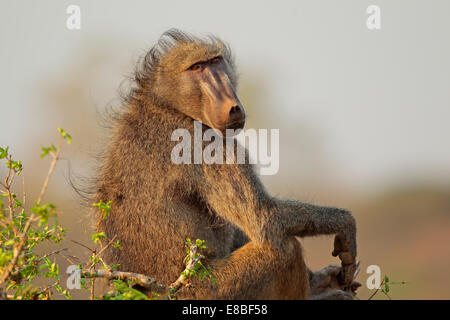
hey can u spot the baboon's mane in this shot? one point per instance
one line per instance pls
(171, 44)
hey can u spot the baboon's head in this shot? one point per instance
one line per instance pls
(195, 76)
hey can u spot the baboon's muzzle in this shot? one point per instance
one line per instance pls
(224, 110)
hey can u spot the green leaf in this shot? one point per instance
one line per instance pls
(3, 152)
(44, 212)
(16, 166)
(105, 208)
(65, 135)
(117, 245)
(96, 237)
(46, 151)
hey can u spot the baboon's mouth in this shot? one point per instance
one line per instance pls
(235, 125)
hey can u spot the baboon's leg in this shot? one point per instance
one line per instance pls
(256, 271)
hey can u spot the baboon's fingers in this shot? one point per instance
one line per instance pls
(346, 275)
(346, 258)
(354, 286)
(340, 244)
(337, 246)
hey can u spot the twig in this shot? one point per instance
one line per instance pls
(84, 246)
(24, 198)
(92, 295)
(23, 235)
(7, 186)
(52, 253)
(50, 171)
(140, 279)
(191, 263)
(146, 282)
(93, 251)
(96, 255)
(105, 247)
(376, 291)
(68, 258)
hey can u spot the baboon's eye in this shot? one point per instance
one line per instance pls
(196, 66)
(216, 59)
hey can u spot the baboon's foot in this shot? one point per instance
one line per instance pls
(325, 285)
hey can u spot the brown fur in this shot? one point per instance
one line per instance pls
(156, 205)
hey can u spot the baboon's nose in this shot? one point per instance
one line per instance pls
(236, 114)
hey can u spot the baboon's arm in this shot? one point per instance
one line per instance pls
(304, 219)
(236, 194)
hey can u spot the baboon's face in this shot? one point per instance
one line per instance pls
(205, 92)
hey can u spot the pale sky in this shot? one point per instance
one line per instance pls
(366, 107)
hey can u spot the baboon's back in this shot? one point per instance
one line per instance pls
(154, 202)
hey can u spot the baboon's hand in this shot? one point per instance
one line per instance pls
(325, 284)
(345, 248)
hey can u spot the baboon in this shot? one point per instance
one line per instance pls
(252, 237)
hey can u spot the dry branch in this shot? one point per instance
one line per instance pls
(140, 279)
(147, 282)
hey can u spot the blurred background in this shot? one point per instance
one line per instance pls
(363, 114)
